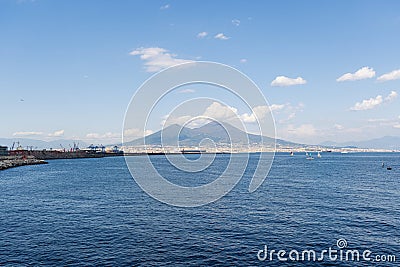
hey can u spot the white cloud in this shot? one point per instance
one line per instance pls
(374, 102)
(243, 60)
(384, 122)
(57, 133)
(291, 116)
(338, 127)
(363, 73)
(27, 133)
(187, 91)
(393, 75)
(304, 130)
(221, 36)
(368, 103)
(378, 120)
(108, 135)
(397, 126)
(391, 96)
(236, 22)
(275, 107)
(170, 120)
(202, 34)
(289, 111)
(165, 7)
(220, 112)
(136, 133)
(286, 81)
(260, 112)
(157, 58)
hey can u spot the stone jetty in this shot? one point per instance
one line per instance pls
(7, 162)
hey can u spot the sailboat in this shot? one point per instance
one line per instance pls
(319, 155)
(291, 153)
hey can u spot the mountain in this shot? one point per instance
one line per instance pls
(386, 142)
(212, 130)
(40, 144)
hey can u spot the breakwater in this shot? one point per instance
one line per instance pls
(7, 162)
(54, 154)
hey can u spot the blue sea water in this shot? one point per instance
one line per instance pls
(90, 212)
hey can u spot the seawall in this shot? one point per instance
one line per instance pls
(7, 162)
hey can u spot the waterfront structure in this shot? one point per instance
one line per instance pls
(3, 151)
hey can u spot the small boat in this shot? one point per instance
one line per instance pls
(389, 168)
(309, 156)
(319, 155)
(192, 151)
(291, 153)
(344, 152)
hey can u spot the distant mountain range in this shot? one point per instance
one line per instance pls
(386, 142)
(39, 144)
(212, 130)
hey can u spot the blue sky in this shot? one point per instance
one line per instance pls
(69, 68)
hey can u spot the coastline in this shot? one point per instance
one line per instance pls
(7, 162)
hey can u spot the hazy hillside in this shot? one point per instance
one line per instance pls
(386, 142)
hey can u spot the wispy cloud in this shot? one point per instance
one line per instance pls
(136, 133)
(218, 111)
(165, 6)
(226, 113)
(56, 133)
(27, 133)
(368, 103)
(221, 36)
(393, 95)
(187, 91)
(363, 73)
(286, 81)
(201, 35)
(236, 22)
(260, 112)
(338, 127)
(373, 102)
(303, 130)
(157, 58)
(383, 122)
(393, 75)
(243, 60)
(105, 136)
(289, 110)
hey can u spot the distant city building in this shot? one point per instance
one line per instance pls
(3, 151)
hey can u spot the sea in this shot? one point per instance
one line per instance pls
(91, 212)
